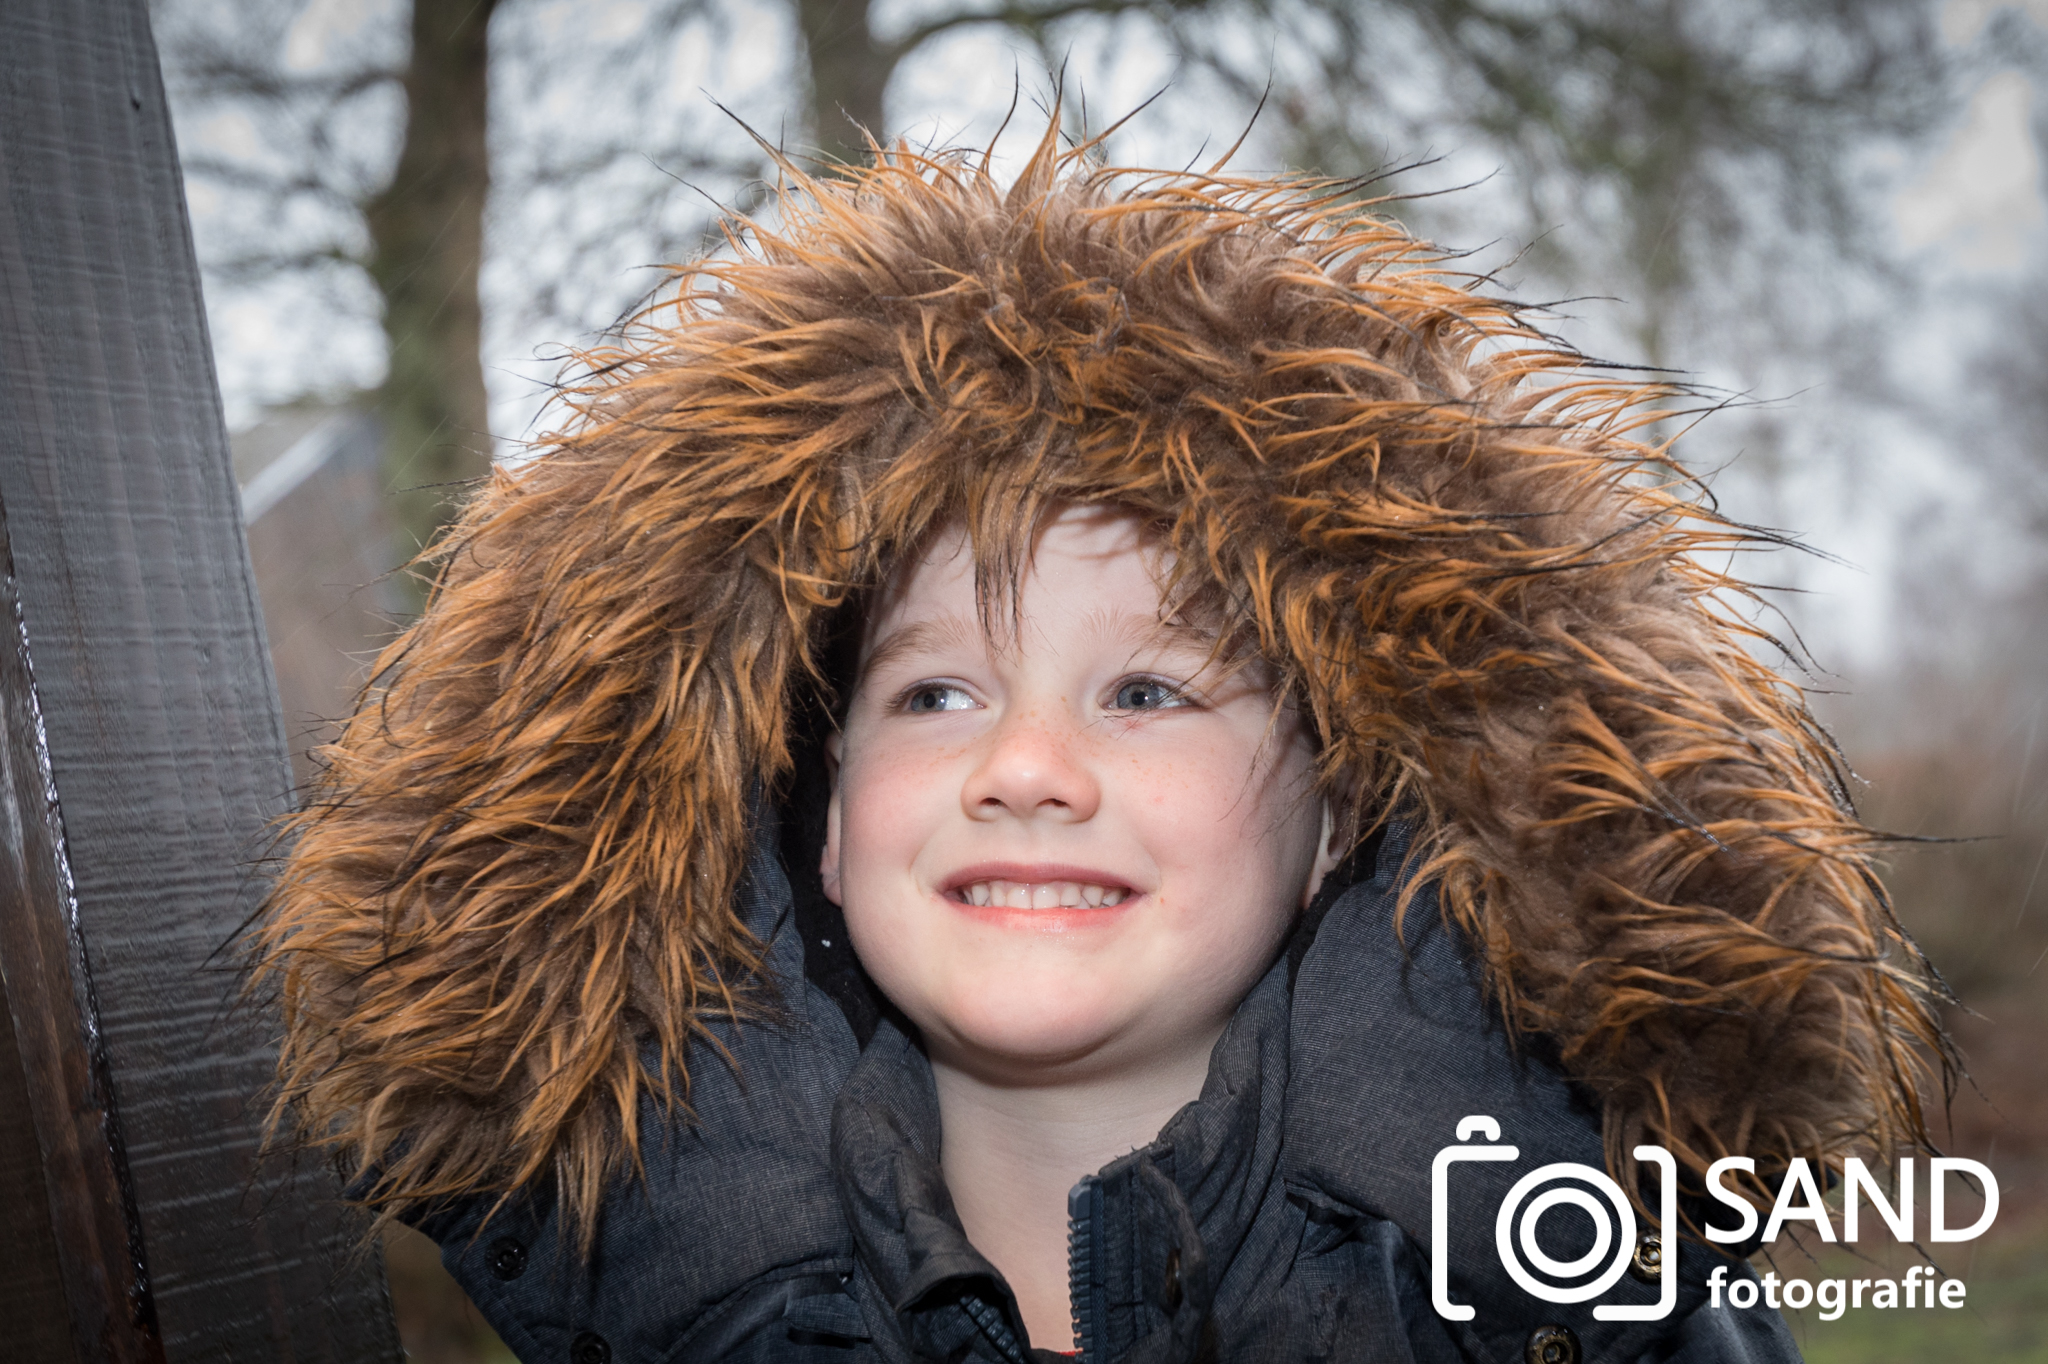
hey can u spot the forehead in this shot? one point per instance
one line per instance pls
(1091, 568)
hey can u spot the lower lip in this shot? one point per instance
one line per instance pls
(1053, 919)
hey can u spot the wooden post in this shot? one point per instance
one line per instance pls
(141, 761)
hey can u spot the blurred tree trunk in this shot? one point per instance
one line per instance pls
(426, 232)
(848, 75)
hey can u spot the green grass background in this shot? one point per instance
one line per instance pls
(2004, 1319)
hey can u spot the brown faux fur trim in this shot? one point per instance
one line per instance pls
(519, 867)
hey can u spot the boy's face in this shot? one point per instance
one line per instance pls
(1078, 852)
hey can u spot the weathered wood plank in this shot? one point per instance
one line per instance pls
(163, 736)
(74, 1286)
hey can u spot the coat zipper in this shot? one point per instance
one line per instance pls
(990, 1320)
(1085, 1289)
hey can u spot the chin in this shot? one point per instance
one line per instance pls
(1009, 1022)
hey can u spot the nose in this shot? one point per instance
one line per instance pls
(1032, 769)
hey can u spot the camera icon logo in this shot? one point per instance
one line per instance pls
(1585, 1187)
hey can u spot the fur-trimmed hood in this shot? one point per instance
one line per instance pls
(507, 909)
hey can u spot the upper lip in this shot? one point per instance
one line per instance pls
(1033, 873)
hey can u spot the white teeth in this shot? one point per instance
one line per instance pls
(1041, 895)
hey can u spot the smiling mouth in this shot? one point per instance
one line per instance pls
(1039, 894)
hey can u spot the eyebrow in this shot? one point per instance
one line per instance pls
(1139, 630)
(918, 635)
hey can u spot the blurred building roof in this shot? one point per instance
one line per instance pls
(323, 549)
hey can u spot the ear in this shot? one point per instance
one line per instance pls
(828, 859)
(1328, 854)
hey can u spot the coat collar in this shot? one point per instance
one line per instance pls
(1168, 1224)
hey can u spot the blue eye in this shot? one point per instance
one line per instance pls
(928, 697)
(1147, 693)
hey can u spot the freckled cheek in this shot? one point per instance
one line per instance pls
(1194, 802)
(892, 805)
(890, 772)
(1223, 842)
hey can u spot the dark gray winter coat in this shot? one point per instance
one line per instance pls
(1285, 1215)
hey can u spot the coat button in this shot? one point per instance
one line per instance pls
(507, 1258)
(1551, 1345)
(1648, 1260)
(592, 1348)
(1173, 1279)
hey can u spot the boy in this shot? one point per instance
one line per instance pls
(1033, 759)
(1067, 857)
